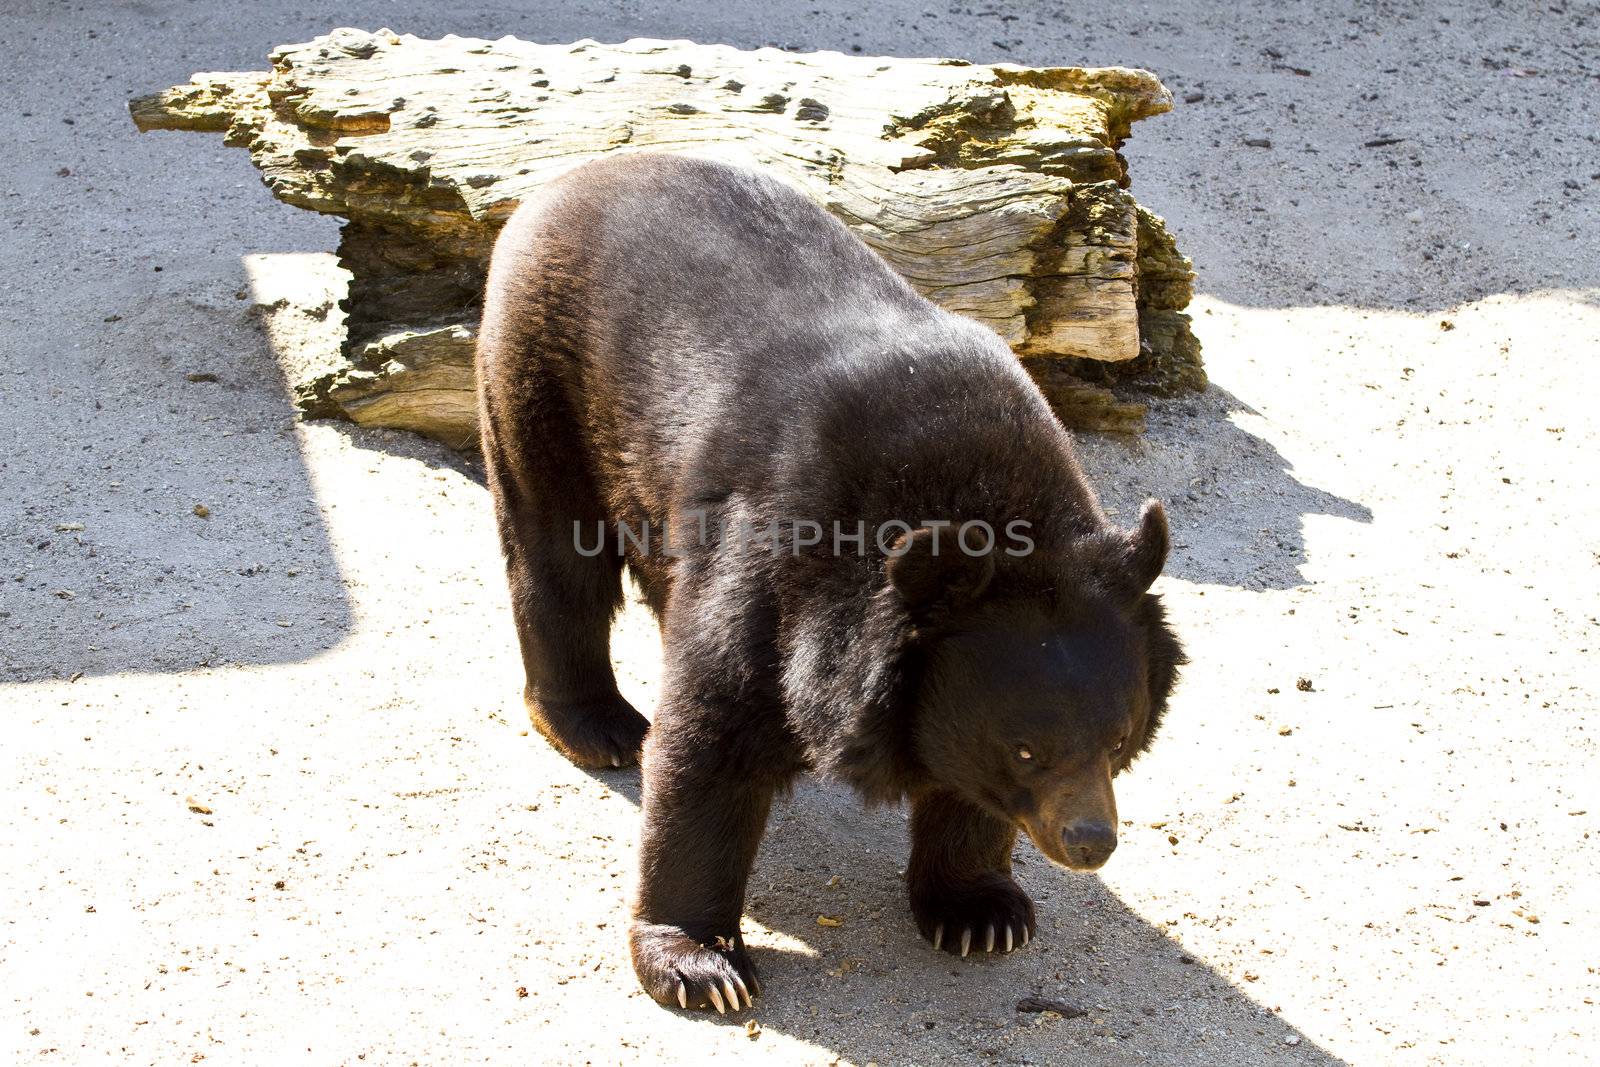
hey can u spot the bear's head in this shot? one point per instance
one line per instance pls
(1040, 678)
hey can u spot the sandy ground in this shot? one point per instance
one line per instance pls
(268, 792)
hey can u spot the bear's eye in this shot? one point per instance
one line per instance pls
(1116, 749)
(1023, 753)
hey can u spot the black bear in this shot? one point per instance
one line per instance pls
(870, 548)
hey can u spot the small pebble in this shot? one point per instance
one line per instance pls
(1034, 1005)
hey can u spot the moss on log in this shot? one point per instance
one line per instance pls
(998, 191)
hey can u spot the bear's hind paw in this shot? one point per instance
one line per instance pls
(604, 733)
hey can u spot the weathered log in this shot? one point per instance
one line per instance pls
(998, 191)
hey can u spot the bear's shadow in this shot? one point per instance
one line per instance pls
(870, 989)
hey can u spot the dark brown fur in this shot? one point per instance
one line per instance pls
(664, 337)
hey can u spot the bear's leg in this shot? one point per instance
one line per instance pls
(562, 600)
(703, 821)
(959, 877)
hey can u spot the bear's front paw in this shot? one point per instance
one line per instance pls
(607, 732)
(990, 913)
(674, 968)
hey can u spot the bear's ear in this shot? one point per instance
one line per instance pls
(1143, 551)
(927, 570)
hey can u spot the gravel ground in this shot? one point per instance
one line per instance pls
(270, 795)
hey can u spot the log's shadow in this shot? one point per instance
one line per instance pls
(870, 989)
(1236, 508)
(189, 533)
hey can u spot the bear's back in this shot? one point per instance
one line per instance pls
(725, 336)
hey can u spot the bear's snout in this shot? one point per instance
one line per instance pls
(1089, 843)
(1075, 821)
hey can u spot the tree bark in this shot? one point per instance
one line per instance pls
(998, 191)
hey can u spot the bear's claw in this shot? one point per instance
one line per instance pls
(989, 940)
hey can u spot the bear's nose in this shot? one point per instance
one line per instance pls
(1089, 842)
